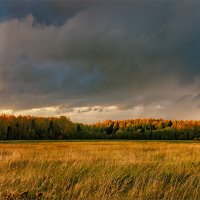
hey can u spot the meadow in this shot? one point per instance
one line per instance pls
(100, 170)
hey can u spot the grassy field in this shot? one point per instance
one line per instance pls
(100, 170)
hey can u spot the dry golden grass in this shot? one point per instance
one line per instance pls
(100, 170)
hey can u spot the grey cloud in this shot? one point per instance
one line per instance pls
(99, 109)
(138, 53)
(88, 109)
(65, 110)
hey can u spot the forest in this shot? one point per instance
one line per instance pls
(57, 128)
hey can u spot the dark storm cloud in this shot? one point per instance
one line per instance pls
(83, 54)
(47, 12)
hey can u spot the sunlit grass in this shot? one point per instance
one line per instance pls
(100, 170)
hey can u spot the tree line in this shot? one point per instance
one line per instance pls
(38, 128)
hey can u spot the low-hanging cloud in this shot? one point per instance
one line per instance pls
(123, 55)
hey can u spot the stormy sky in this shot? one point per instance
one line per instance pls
(97, 60)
